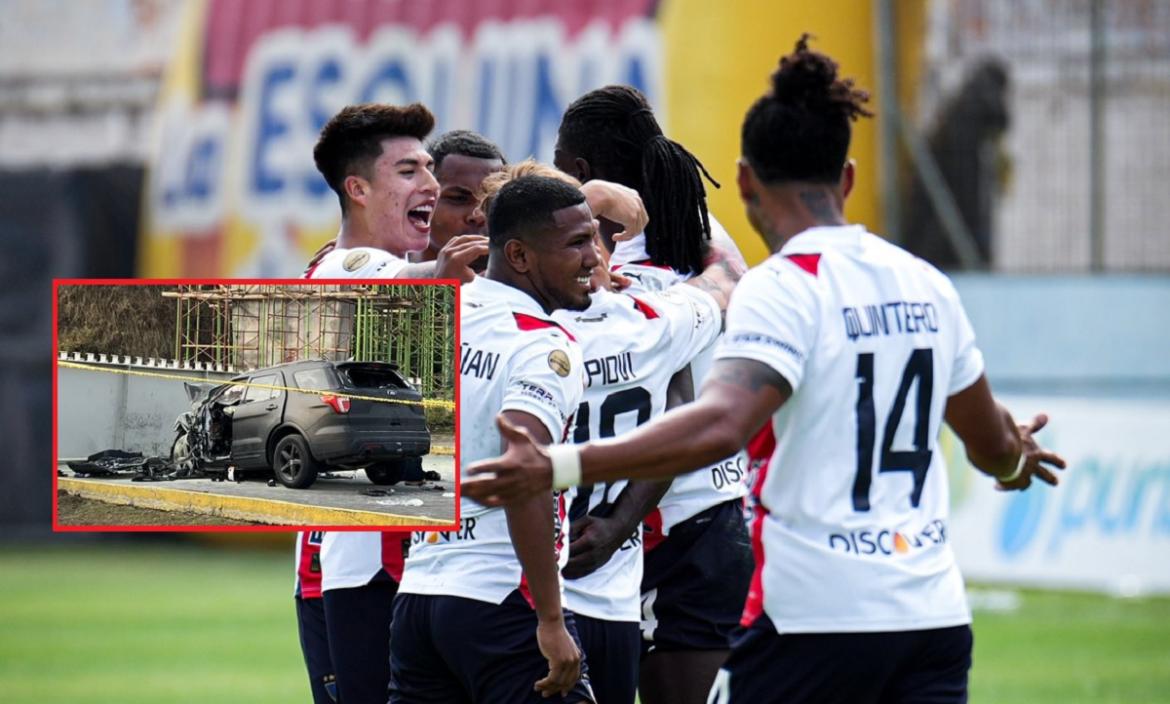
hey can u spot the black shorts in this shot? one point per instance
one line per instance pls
(695, 582)
(315, 647)
(358, 622)
(451, 650)
(897, 667)
(613, 649)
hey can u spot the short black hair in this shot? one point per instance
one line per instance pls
(463, 143)
(613, 128)
(800, 129)
(525, 206)
(351, 141)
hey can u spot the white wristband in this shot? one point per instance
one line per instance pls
(566, 465)
(1019, 470)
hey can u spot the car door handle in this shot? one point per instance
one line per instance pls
(271, 407)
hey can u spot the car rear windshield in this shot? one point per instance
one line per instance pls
(313, 380)
(371, 376)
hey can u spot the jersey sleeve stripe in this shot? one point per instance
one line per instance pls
(808, 262)
(645, 309)
(530, 322)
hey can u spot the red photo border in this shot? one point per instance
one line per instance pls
(57, 283)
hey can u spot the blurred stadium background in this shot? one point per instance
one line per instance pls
(1022, 145)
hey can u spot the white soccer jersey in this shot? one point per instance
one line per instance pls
(697, 491)
(357, 263)
(513, 357)
(631, 347)
(873, 341)
(353, 558)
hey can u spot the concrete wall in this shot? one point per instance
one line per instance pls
(102, 410)
(1072, 335)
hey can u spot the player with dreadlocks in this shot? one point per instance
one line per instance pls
(698, 560)
(856, 596)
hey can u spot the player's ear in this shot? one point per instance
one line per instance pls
(847, 175)
(745, 179)
(357, 189)
(518, 255)
(584, 171)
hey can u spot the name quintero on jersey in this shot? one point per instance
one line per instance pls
(889, 542)
(895, 317)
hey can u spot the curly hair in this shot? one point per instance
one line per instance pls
(800, 129)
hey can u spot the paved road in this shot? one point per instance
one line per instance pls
(347, 490)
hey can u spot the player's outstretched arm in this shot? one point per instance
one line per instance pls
(530, 524)
(454, 260)
(738, 396)
(995, 444)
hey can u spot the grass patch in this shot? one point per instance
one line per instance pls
(151, 622)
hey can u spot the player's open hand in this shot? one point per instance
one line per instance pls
(594, 540)
(564, 659)
(618, 203)
(523, 470)
(1035, 457)
(456, 257)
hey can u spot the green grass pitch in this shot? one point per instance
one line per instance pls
(151, 623)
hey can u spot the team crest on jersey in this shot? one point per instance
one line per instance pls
(558, 361)
(355, 260)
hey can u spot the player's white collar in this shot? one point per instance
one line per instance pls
(817, 239)
(496, 291)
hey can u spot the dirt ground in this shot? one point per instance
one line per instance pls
(76, 511)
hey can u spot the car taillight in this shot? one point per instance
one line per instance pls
(339, 404)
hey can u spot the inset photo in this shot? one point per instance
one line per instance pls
(251, 405)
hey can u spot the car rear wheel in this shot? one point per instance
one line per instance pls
(292, 463)
(394, 471)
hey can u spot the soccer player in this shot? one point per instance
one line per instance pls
(855, 352)
(698, 557)
(311, 618)
(372, 156)
(478, 617)
(462, 159)
(634, 348)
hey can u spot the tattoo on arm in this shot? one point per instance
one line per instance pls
(750, 375)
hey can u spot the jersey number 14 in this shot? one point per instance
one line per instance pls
(916, 461)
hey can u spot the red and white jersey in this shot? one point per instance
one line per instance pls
(513, 357)
(308, 564)
(852, 535)
(697, 491)
(353, 558)
(356, 263)
(631, 347)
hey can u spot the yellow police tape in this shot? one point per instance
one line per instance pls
(433, 403)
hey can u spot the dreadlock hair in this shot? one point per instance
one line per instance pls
(800, 129)
(351, 141)
(463, 143)
(613, 128)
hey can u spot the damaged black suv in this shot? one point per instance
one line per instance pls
(261, 421)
